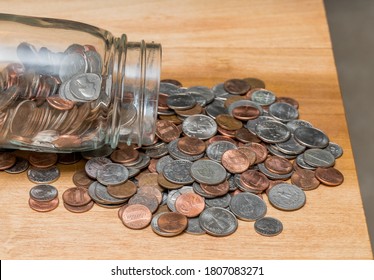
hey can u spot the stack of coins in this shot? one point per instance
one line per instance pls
(43, 198)
(216, 153)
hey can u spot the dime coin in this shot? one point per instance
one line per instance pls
(287, 197)
(329, 176)
(136, 216)
(43, 193)
(247, 206)
(218, 221)
(268, 226)
(263, 97)
(208, 172)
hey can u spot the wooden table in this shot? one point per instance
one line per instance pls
(285, 43)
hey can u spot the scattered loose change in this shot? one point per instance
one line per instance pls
(216, 152)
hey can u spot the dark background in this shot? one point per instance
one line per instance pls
(351, 24)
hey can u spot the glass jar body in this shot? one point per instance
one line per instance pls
(67, 86)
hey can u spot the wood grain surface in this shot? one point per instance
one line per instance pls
(285, 43)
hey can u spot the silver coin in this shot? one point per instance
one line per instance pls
(158, 152)
(162, 162)
(179, 172)
(244, 103)
(221, 201)
(133, 171)
(232, 185)
(268, 226)
(273, 149)
(293, 124)
(157, 230)
(104, 151)
(247, 206)
(193, 226)
(206, 92)
(334, 149)
(27, 54)
(84, 87)
(197, 189)
(220, 92)
(112, 174)
(72, 64)
(263, 97)
(290, 147)
(143, 162)
(311, 137)
(301, 163)
(148, 200)
(283, 112)
(43, 193)
(208, 172)
(251, 124)
(94, 62)
(180, 101)
(178, 154)
(94, 165)
(287, 197)
(272, 132)
(199, 126)
(174, 194)
(170, 89)
(271, 175)
(319, 158)
(216, 149)
(43, 175)
(20, 166)
(218, 221)
(199, 98)
(104, 197)
(216, 108)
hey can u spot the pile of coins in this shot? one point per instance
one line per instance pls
(216, 153)
(43, 198)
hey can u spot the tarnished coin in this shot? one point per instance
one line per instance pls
(305, 179)
(319, 158)
(208, 172)
(255, 83)
(216, 149)
(272, 131)
(190, 204)
(247, 206)
(311, 137)
(112, 174)
(287, 197)
(193, 227)
(245, 112)
(69, 158)
(79, 209)
(219, 92)
(254, 180)
(200, 126)
(179, 172)
(7, 160)
(273, 149)
(94, 165)
(76, 197)
(151, 190)
(283, 112)
(235, 161)
(172, 222)
(218, 221)
(166, 130)
(167, 184)
(247, 103)
(20, 166)
(228, 122)
(162, 162)
(263, 97)
(43, 193)
(334, 149)
(43, 160)
(329, 176)
(102, 196)
(236, 86)
(136, 216)
(268, 226)
(81, 179)
(148, 180)
(191, 145)
(124, 190)
(43, 206)
(43, 175)
(259, 149)
(172, 81)
(180, 101)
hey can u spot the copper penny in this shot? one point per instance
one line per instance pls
(81, 179)
(197, 109)
(66, 140)
(167, 131)
(79, 209)
(305, 179)
(236, 86)
(43, 160)
(245, 113)
(152, 165)
(172, 222)
(162, 97)
(125, 155)
(43, 206)
(148, 200)
(245, 136)
(251, 155)
(260, 151)
(228, 122)
(7, 160)
(216, 190)
(288, 100)
(278, 165)
(217, 138)
(254, 180)
(151, 190)
(124, 190)
(136, 216)
(161, 180)
(173, 118)
(76, 196)
(69, 158)
(225, 132)
(120, 211)
(190, 204)
(235, 161)
(191, 145)
(329, 176)
(149, 180)
(59, 103)
(232, 99)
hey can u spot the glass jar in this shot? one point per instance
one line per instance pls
(67, 86)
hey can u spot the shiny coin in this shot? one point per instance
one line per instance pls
(218, 221)
(236, 86)
(319, 158)
(112, 174)
(263, 97)
(124, 190)
(272, 132)
(245, 112)
(208, 172)
(290, 147)
(76, 197)
(43, 193)
(283, 112)
(43, 175)
(235, 161)
(7, 160)
(287, 197)
(219, 92)
(179, 172)
(43, 206)
(199, 126)
(247, 206)
(190, 204)
(20, 166)
(94, 165)
(136, 216)
(180, 101)
(305, 179)
(172, 222)
(203, 91)
(329, 176)
(84, 87)
(301, 163)
(268, 226)
(311, 137)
